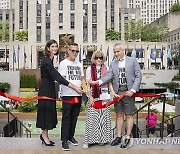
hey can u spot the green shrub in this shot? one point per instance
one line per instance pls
(28, 81)
(83, 107)
(177, 77)
(5, 86)
(170, 85)
(29, 106)
(59, 106)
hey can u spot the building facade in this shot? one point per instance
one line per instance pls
(5, 4)
(66, 21)
(151, 9)
(172, 21)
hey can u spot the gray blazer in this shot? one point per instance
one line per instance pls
(133, 74)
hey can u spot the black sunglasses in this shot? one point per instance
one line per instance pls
(101, 58)
(77, 51)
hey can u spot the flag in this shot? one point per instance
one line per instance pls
(107, 54)
(80, 54)
(14, 56)
(169, 54)
(133, 54)
(84, 54)
(153, 54)
(126, 51)
(174, 54)
(18, 54)
(101, 48)
(162, 54)
(25, 56)
(140, 53)
(148, 53)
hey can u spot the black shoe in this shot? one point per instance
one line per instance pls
(49, 141)
(116, 141)
(43, 141)
(73, 141)
(126, 143)
(65, 146)
(52, 142)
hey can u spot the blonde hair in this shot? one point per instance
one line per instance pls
(98, 53)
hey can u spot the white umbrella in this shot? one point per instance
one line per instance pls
(2, 98)
(168, 94)
(138, 99)
(159, 107)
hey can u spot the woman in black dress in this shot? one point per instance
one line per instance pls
(46, 112)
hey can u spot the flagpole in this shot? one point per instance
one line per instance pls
(13, 57)
(162, 58)
(141, 57)
(18, 56)
(24, 59)
(31, 56)
(148, 57)
(108, 61)
(6, 58)
(155, 58)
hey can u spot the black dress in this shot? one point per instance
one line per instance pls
(46, 112)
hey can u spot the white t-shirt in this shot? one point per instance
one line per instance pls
(73, 72)
(104, 91)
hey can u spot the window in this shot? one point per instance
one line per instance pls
(0, 17)
(38, 12)
(72, 20)
(7, 17)
(21, 5)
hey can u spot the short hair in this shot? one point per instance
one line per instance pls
(98, 53)
(73, 44)
(118, 45)
(48, 44)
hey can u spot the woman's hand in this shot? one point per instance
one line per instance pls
(78, 90)
(91, 101)
(93, 82)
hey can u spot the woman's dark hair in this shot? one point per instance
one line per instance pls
(48, 44)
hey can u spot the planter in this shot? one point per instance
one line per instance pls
(27, 89)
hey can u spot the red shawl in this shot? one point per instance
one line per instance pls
(95, 88)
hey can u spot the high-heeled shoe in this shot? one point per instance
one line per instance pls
(49, 141)
(43, 141)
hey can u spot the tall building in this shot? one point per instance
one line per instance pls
(5, 4)
(84, 22)
(151, 9)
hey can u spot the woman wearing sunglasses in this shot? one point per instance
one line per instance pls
(98, 122)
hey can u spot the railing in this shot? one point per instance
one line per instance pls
(141, 108)
(28, 132)
(148, 104)
(172, 122)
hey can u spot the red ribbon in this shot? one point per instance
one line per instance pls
(21, 99)
(99, 104)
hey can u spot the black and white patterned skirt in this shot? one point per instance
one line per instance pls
(98, 126)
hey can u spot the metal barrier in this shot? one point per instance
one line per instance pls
(28, 132)
(147, 129)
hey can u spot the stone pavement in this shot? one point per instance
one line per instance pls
(137, 144)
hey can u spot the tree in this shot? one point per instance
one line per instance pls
(152, 33)
(21, 35)
(175, 7)
(112, 35)
(133, 30)
(4, 31)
